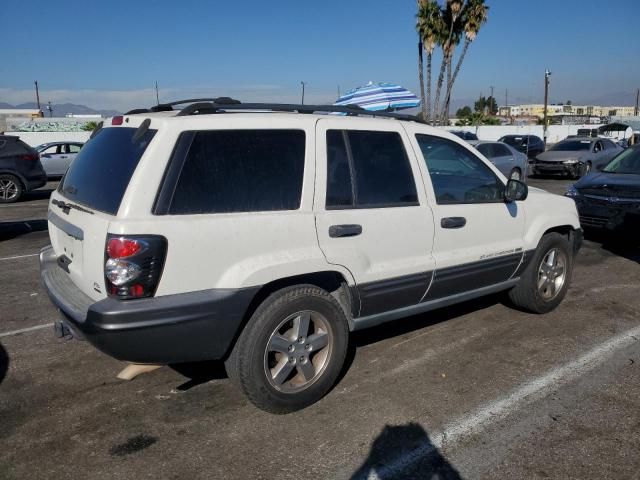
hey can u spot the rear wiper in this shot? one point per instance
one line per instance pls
(65, 206)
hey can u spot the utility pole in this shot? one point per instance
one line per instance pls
(547, 74)
(637, 101)
(157, 97)
(50, 108)
(303, 84)
(492, 100)
(338, 91)
(506, 97)
(38, 98)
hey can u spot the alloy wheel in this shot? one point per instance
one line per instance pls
(552, 274)
(298, 351)
(8, 189)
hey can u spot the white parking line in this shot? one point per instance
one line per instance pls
(24, 330)
(505, 406)
(19, 256)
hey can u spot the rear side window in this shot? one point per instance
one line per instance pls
(500, 150)
(368, 169)
(100, 174)
(241, 171)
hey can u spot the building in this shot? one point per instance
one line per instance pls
(572, 110)
(22, 113)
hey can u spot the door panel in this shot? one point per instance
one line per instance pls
(489, 247)
(390, 258)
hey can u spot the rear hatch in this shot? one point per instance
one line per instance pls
(88, 199)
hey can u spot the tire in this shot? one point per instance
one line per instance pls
(527, 294)
(10, 188)
(291, 374)
(515, 174)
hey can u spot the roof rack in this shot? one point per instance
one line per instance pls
(206, 108)
(167, 107)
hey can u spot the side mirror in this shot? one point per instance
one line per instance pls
(516, 191)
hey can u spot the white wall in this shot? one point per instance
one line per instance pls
(37, 138)
(555, 133)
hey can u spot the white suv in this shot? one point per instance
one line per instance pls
(264, 237)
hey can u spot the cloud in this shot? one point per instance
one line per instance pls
(123, 100)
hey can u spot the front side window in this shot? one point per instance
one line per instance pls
(457, 175)
(368, 169)
(486, 150)
(229, 171)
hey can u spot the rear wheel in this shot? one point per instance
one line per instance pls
(292, 350)
(546, 279)
(10, 189)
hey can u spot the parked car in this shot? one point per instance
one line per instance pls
(465, 135)
(20, 169)
(576, 156)
(164, 250)
(610, 199)
(530, 145)
(57, 156)
(508, 160)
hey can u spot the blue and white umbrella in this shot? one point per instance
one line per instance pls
(379, 96)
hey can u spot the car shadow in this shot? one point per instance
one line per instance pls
(9, 230)
(4, 363)
(623, 243)
(198, 373)
(405, 451)
(40, 194)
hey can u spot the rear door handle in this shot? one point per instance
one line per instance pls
(453, 222)
(344, 230)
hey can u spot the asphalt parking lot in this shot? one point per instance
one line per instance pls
(474, 391)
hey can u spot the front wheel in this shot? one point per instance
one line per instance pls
(292, 350)
(545, 281)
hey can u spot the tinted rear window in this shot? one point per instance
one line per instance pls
(99, 175)
(241, 171)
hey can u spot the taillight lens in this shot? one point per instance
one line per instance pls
(133, 265)
(31, 157)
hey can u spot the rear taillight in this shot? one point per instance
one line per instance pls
(133, 265)
(30, 157)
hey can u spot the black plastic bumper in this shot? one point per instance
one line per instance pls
(168, 329)
(559, 168)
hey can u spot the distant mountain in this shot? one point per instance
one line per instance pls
(61, 109)
(615, 99)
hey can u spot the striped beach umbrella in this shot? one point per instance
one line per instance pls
(379, 96)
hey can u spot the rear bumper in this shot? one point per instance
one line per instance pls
(168, 329)
(36, 180)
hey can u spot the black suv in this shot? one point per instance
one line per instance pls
(530, 145)
(20, 169)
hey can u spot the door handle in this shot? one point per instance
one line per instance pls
(453, 222)
(336, 231)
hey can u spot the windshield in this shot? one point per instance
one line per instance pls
(571, 146)
(627, 162)
(100, 174)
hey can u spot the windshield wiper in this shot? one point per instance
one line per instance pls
(66, 206)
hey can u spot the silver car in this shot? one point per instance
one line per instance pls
(576, 156)
(57, 156)
(507, 159)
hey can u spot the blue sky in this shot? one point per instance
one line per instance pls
(108, 54)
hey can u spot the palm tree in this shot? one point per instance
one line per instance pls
(447, 39)
(429, 25)
(474, 15)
